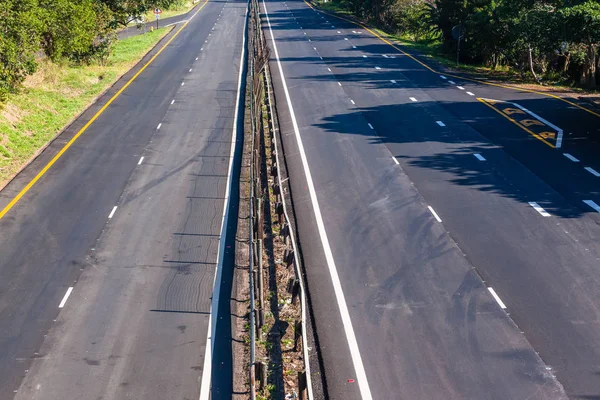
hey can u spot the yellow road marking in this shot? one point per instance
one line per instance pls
(87, 125)
(451, 75)
(542, 137)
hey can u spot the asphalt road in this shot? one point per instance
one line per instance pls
(384, 139)
(130, 216)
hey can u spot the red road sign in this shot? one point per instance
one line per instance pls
(157, 11)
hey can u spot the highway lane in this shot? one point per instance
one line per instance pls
(544, 268)
(130, 217)
(420, 322)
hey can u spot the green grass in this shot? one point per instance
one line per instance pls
(54, 95)
(172, 12)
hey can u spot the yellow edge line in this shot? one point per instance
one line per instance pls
(87, 125)
(535, 135)
(451, 75)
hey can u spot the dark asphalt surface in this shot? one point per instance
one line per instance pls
(426, 326)
(136, 323)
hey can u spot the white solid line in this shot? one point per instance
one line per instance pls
(500, 303)
(371, 126)
(377, 67)
(159, 125)
(570, 157)
(396, 161)
(592, 171)
(393, 81)
(172, 101)
(66, 296)
(361, 376)
(539, 209)
(452, 82)
(443, 77)
(479, 157)
(592, 204)
(559, 131)
(141, 160)
(352, 101)
(470, 94)
(437, 217)
(209, 349)
(461, 88)
(440, 123)
(112, 213)
(413, 99)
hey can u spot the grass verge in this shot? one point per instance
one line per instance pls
(172, 12)
(54, 95)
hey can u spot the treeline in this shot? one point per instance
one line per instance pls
(553, 39)
(74, 30)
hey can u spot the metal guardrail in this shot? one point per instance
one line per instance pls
(262, 94)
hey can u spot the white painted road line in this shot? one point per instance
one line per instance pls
(339, 84)
(352, 101)
(470, 94)
(182, 83)
(443, 77)
(413, 99)
(315, 48)
(440, 123)
(141, 160)
(328, 69)
(112, 213)
(592, 204)
(197, 57)
(190, 70)
(461, 88)
(64, 299)
(592, 171)
(172, 101)
(353, 47)
(359, 369)
(364, 56)
(393, 81)
(377, 67)
(396, 160)
(479, 157)
(452, 82)
(339, 32)
(371, 126)
(159, 125)
(437, 217)
(497, 298)
(345, 38)
(570, 157)
(539, 209)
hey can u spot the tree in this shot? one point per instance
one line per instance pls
(20, 28)
(582, 25)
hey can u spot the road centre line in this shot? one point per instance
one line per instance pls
(437, 217)
(65, 297)
(440, 123)
(570, 157)
(592, 171)
(497, 298)
(352, 101)
(182, 83)
(461, 88)
(190, 70)
(361, 375)
(339, 84)
(112, 213)
(328, 69)
(172, 101)
(479, 157)
(471, 93)
(592, 204)
(141, 160)
(396, 160)
(40, 174)
(539, 209)
(159, 125)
